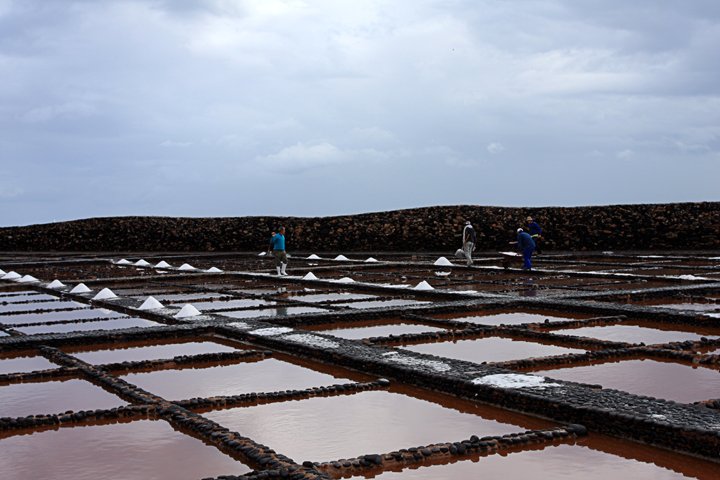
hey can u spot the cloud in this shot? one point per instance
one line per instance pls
(171, 143)
(495, 148)
(65, 111)
(10, 191)
(625, 154)
(301, 157)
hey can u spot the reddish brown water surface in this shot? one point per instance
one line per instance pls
(399, 302)
(20, 307)
(113, 324)
(264, 376)
(491, 349)
(369, 422)
(326, 297)
(236, 303)
(279, 311)
(25, 295)
(632, 334)
(373, 328)
(562, 462)
(510, 318)
(77, 314)
(24, 363)
(143, 449)
(149, 352)
(671, 381)
(19, 400)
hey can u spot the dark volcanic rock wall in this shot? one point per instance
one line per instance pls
(622, 227)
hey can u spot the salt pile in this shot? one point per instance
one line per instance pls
(11, 276)
(28, 279)
(341, 258)
(370, 260)
(2, 272)
(142, 263)
(151, 303)
(186, 266)
(162, 264)
(262, 254)
(310, 276)
(313, 257)
(442, 274)
(213, 270)
(104, 294)
(55, 284)
(80, 288)
(423, 286)
(345, 280)
(123, 261)
(443, 262)
(187, 311)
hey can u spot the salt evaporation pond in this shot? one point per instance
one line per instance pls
(346, 426)
(21, 307)
(491, 349)
(150, 352)
(147, 449)
(267, 375)
(509, 318)
(328, 297)
(77, 314)
(30, 363)
(114, 324)
(19, 400)
(671, 381)
(373, 328)
(632, 334)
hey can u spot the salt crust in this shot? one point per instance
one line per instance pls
(514, 380)
(312, 340)
(271, 331)
(416, 362)
(443, 262)
(239, 325)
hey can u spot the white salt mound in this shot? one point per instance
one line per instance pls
(187, 311)
(142, 263)
(371, 260)
(262, 254)
(341, 257)
(104, 294)
(151, 303)
(123, 261)
(345, 280)
(28, 279)
(11, 276)
(213, 270)
(80, 288)
(423, 286)
(162, 264)
(56, 284)
(442, 274)
(186, 266)
(442, 261)
(510, 254)
(2, 272)
(313, 257)
(310, 276)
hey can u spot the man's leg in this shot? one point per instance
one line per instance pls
(467, 249)
(278, 262)
(283, 263)
(527, 255)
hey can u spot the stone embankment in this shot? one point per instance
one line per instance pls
(683, 226)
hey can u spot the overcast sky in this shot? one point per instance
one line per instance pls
(325, 107)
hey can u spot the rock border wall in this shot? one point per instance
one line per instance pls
(679, 226)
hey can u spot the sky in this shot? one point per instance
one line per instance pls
(210, 108)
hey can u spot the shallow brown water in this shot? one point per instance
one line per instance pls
(557, 462)
(326, 297)
(631, 334)
(25, 364)
(375, 328)
(671, 381)
(264, 376)
(113, 324)
(143, 449)
(150, 352)
(491, 349)
(347, 426)
(382, 303)
(77, 314)
(513, 318)
(19, 400)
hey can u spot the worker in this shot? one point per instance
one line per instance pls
(526, 245)
(278, 244)
(535, 232)
(469, 239)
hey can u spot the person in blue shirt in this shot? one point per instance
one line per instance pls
(278, 247)
(526, 245)
(535, 232)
